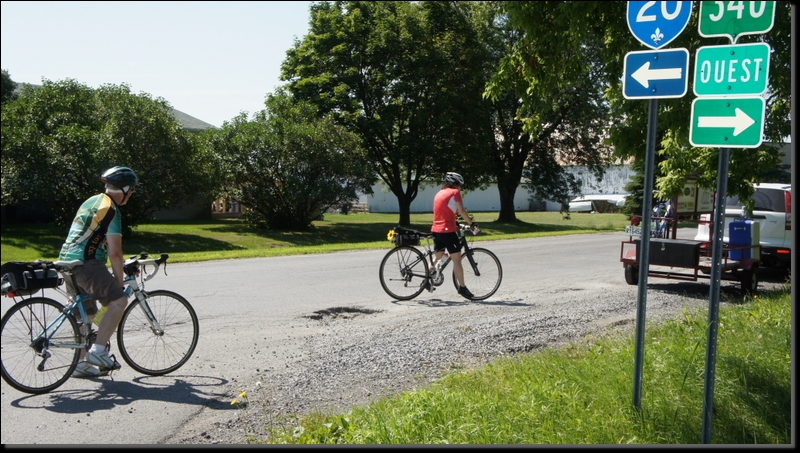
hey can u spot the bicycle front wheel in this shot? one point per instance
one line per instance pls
(403, 272)
(164, 343)
(484, 278)
(31, 361)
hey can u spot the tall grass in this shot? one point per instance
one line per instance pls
(582, 393)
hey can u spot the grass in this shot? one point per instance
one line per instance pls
(582, 393)
(204, 240)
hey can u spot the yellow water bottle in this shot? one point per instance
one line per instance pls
(99, 316)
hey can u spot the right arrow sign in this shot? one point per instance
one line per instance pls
(727, 122)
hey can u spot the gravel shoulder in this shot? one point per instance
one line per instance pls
(352, 356)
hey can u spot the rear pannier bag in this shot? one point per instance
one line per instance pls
(24, 279)
(405, 236)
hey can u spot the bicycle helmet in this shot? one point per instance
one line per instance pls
(452, 179)
(120, 178)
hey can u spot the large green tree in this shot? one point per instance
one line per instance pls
(548, 105)
(288, 165)
(407, 77)
(678, 160)
(59, 137)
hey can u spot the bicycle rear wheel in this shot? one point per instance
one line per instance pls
(403, 272)
(489, 268)
(158, 352)
(29, 362)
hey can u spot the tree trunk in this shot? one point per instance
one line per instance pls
(507, 191)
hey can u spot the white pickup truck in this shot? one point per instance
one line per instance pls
(772, 211)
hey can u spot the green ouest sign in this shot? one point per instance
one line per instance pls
(723, 122)
(741, 69)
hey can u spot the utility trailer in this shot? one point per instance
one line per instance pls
(689, 260)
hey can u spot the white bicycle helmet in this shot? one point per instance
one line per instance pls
(452, 179)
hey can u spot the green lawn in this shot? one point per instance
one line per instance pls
(233, 238)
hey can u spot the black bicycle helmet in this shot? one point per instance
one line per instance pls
(452, 179)
(120, 178)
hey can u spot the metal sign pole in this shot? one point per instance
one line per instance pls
(644, 250)
(713, 300)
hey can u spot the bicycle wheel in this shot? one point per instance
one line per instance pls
(491, 273)
(30, 363)
(403, 272)
(158, 352)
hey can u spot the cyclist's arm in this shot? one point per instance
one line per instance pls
(463, 211)
(116, 256)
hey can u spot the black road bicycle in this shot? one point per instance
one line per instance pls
(405, 272)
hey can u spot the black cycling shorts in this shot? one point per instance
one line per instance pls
(449, 241)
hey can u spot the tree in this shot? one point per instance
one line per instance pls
(288, 165)
(679, 160)
(547, 95)
(7, 88)
(407, 77)
(59, 137)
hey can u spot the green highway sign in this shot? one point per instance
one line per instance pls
(741, 69)
(736, 122)
(735, 19)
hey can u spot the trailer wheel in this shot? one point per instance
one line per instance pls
(631, 275)
(749, 280)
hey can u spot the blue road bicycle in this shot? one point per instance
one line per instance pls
(42, 339)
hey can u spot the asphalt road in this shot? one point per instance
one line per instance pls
(269, 301)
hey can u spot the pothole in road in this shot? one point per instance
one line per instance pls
(341, 312)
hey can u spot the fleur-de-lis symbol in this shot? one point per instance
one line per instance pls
(657, 36)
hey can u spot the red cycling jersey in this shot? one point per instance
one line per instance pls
(444, 210)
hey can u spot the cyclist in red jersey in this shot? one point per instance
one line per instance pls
(446, 204)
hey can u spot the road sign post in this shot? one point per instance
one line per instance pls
(724, 117)
(655, 24)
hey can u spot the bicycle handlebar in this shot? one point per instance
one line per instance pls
(135, 264)
(474, 229)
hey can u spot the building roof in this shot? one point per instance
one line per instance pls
(191, 123)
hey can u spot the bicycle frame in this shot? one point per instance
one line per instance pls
(87, 332)
(463, 242)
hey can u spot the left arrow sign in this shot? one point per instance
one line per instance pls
(644, 74)
(655, 74)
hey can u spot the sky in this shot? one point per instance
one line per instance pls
(211, 60)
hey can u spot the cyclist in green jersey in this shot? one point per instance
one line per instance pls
(95, 237)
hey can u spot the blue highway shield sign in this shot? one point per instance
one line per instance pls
(656, 24)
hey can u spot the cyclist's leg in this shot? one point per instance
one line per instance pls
(458, 268)
(90, 306)
(95, 278)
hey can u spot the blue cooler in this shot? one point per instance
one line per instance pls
(744, 233)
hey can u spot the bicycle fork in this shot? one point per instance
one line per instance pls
(141, 296)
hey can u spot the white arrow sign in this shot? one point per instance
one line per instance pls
(739, 123)
(644, 74)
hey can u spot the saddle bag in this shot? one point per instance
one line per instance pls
(23, 279)
(405, 236)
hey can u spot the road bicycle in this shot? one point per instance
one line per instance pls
(661, 220)
(405, 271)
(42, 339)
